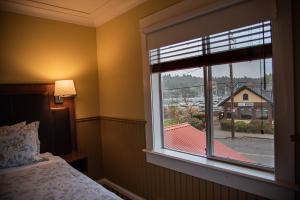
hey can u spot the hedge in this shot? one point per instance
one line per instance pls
(254, 126)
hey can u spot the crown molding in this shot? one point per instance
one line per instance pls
(108, 10)
(113, 9)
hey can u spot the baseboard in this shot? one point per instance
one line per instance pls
(120, 189)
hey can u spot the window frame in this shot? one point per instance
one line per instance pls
(275, 185)
(202, 58)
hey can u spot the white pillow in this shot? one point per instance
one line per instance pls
(6, 129)
(35, 127)
(19, 146)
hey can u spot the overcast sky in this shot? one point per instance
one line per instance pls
(249, 69)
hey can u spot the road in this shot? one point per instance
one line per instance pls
(256, 147)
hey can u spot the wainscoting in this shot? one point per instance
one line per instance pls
(125, 164)
(89, 142)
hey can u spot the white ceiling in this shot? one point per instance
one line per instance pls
(84, 12)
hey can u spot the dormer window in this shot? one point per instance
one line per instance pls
(245, 97)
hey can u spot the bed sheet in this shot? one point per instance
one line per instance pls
(50, 179)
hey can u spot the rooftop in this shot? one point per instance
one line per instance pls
(184, 137)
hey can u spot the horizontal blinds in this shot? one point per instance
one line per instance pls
(237, 45)
(231, 17)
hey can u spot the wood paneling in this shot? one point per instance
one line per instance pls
(125, 164)
(296, 40)
(89, 142)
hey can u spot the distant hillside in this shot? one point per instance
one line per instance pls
(194, 85)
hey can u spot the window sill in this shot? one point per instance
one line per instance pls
(250, 180)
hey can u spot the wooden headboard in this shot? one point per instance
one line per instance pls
(35, 102)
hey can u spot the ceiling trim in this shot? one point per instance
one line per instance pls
(101, 14)
(113, 9)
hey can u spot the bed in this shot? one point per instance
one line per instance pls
(50, 179)
(48, 176)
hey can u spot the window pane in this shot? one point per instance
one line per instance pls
(184, 111)
(176, 51)
(243, 112)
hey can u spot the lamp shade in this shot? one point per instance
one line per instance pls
(64, 88)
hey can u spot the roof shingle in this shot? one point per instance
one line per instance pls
(184, 137)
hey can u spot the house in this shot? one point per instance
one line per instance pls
(249, 103)
(43, 42)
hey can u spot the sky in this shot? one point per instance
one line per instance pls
(249, 69)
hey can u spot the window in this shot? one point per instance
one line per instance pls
(246, 113)
(198, 80)
(180, 45)
(245, 97)
(262, 114)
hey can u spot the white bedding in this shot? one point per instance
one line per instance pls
(52, 179)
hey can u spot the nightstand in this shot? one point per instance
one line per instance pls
(77, 160)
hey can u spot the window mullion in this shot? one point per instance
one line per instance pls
(210, 135)
(161, 104)
(208, 101)
(161, 111)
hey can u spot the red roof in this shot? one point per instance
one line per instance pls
(186, 138)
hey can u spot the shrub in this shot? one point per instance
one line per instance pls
(268, 127)
(254, 126)
(265, 125)
(251, 128)
(198, 124)
(240, 126)
(200, 116)
(225, 125)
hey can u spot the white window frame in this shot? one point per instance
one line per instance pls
(277, 185)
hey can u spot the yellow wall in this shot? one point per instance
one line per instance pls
(35, 50)
(120, 62)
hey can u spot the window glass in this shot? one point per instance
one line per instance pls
(184, 111)
(249, 135)
(262, 114)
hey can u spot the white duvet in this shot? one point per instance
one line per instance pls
(53, 179)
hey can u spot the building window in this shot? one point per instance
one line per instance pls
(262, 114)
(245, 97)
(246, 113)
(193, 85)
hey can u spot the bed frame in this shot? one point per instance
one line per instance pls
(35, 102)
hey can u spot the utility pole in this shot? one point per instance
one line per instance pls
(231, 92)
